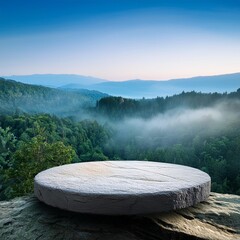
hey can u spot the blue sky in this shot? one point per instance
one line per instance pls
(120, 39)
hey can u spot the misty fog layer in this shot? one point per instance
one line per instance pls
(176, 126)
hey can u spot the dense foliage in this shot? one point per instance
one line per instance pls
(118, 108)
(32, 143)
(20, 97)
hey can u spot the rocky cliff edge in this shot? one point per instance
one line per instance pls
(27, 218)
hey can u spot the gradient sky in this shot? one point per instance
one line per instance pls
(120, 39)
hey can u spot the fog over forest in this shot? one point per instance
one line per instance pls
(176, 125)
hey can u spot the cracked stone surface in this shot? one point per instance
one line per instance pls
(27, 218)
(121, 187)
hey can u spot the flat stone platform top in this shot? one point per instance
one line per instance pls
(122, 187)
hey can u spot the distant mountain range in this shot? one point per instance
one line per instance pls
(137, 88)
(56, 80)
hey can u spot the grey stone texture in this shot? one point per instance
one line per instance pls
(122, 187)
(26, 218)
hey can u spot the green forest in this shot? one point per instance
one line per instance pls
(194, 129)
(20, 97)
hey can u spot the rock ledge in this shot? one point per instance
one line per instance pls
(27, 218)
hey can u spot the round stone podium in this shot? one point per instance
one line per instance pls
(122, 187)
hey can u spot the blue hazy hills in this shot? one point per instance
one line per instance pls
(135, 88)
(55, 80)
